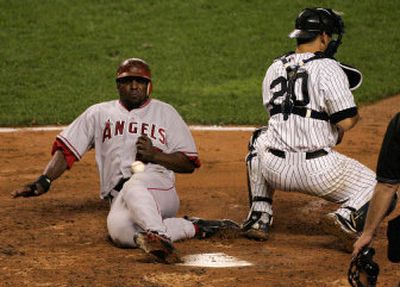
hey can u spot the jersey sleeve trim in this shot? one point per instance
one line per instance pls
(387, 180)
(70, 147)
(193, 157)
(68, 155)
(344, 114)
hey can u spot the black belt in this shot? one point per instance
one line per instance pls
(309, 155)
(116, 188)
(120, 184)
(301, 111)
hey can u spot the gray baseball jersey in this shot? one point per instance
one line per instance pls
(148, 200)
(113, 131)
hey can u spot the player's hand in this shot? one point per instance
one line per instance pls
(28, 191)
(145, 149)
(364, 240)
(36, 188)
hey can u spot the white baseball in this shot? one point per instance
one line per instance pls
(137, 166)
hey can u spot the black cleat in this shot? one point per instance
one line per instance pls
(207, 228)
(257, 226)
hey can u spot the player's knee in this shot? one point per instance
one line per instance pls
(133, 190)
(121, 230)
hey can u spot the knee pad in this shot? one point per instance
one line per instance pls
(259, 199)
(256, 184)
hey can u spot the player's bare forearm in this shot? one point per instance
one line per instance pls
(178, 162)
(56, 166)
(379, 205)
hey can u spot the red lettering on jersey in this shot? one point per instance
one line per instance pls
(163, 139)
(119, 127)
(107, 131)
(144, 128)
(153, 129)
(132, 127)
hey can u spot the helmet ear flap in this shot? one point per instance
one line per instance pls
(149, 88)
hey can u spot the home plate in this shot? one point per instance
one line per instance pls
(213, 260)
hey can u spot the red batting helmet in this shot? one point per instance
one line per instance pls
(135, 67)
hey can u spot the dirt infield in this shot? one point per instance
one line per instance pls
(60, 239)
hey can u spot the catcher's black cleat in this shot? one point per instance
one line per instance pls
(343, 229)
(158, 246)
(257, 226)
(207, 228)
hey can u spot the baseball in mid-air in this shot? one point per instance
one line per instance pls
(137, 166)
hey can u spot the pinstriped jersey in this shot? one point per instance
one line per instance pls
(113, 131)
(324, 87)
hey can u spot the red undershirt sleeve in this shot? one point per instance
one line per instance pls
(69, 156)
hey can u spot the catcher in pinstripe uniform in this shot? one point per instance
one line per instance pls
(308, 96)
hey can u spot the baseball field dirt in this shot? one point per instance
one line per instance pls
(60, 238)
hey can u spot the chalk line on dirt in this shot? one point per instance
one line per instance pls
(59, 128)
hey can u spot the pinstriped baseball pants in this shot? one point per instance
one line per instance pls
(334, 177)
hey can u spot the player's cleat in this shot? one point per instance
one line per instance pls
(337, 225)
(257, 226)
(207, 228)
(158, 246)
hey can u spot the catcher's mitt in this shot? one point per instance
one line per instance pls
(363, 271)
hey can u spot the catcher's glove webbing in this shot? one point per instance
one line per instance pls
(43, 181)
(363, 264)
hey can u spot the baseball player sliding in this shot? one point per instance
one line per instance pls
(134, 128)
(308, 97)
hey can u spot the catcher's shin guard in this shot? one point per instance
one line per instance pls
(259, 219)
(260, 196)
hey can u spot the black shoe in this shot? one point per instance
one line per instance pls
(257, 226)
(207, 228)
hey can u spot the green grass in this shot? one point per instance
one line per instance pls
(208, 58)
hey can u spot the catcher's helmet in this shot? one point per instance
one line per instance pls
(313, 21)
(135, 67)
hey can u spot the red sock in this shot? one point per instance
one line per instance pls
(196, 229)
